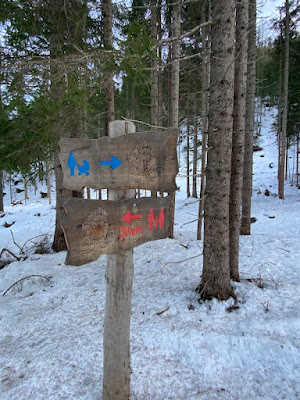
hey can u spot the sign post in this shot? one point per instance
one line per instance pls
(123, 162)
(119, 279)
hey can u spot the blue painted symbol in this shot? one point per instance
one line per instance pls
(114, 163)
(82, 169)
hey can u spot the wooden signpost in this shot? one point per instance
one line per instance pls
(142, 160)
(122, 163)
(95, 227)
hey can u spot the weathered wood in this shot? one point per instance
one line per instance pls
(149, 161)
(95, 227)
(119, 281)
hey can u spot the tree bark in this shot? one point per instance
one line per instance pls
(58, 34)
(195, 149)
(188, 193)
(160, 74)
(119, 279)
(154, 68)
(249, 122)
(175, 70)
(175, 67)
(238, 137)
(109, 76)
(297, 162)
(1, 192)
(48, 179)
(285, 102)
(216, 272)
(204, 119)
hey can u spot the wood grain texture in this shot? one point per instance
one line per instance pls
(95, 227)
(149, 161)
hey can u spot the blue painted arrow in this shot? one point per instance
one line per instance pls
(114, 163)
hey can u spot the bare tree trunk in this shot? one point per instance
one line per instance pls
(60, 31)
(216, 272)
(286, 159)
(10, 188)
(238, 137)
(109, 76)
(160, 77)
(195, 149)
(297, 162)
(154, 73)
(285, 102)
(48, 179)
(154, 67)
(280, 90)
(1, 192)
(188, 193)
(175, 69)
(176, 28)
(249, 122)
(25, 189)
(204, 119)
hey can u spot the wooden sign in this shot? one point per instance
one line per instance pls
(95, 227)
(145, 160)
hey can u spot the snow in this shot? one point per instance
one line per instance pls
(51, 331)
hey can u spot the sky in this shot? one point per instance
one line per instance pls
(266, 11)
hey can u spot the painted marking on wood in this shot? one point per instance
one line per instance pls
(153, 221)
(129, 217)
(114, 163)
(82, 169)
(127, 231)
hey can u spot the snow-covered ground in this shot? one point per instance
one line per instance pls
(51, 331)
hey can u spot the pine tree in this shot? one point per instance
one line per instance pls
(238, 139)
(249, 122)
(216, 271)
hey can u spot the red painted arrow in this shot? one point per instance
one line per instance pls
(129, 217)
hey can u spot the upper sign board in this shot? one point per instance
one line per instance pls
(141, 160)
(95, 227)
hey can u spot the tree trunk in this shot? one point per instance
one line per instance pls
(204, 119)
(238, 136)
(154, 73)
(249, 122)
(188, 193)
(160, 76)
(195, 150)
(1, 192)
(175, 69)
(109, 76)
(216, 272)
(285, 102)
(48, 179)
(58, 34)
(154, 67)
(176, 28)
(297, 162)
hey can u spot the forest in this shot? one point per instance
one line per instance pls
(69, 69)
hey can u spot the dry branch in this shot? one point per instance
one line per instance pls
(10, 252)
(23, 279)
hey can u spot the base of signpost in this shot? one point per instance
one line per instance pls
(116, 372)
(119, 280)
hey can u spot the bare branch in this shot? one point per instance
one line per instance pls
(26, 277)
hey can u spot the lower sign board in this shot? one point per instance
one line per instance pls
(145, 160)
(95, 227)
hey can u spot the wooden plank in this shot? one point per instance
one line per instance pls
(95, 227)
(141, 160)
